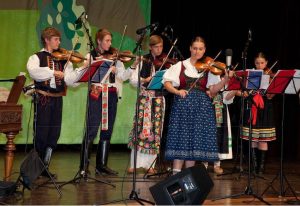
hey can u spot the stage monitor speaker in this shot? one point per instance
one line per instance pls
(188, 187)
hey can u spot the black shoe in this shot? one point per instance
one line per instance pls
(105, 171)
(46, 174)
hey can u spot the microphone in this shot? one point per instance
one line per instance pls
(250, 35)
(228, 54)
(164, 33)
(79, 19)
(150, 26)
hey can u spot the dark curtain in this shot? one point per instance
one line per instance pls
(275, 30)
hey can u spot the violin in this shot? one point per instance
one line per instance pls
(63, 54)
(168, 62)
(114, 54)
(208, 64)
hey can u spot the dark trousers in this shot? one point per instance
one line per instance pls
(48, 122)
(95, 116)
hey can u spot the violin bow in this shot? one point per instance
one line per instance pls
(269, 70)
(113, 62)
(166, 58)
(70, 54)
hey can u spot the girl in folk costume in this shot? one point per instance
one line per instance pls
(263, 126)
(192, 133)
(151, 110)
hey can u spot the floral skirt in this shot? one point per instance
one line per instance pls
(150, 123)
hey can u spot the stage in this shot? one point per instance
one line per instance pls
(65, 164)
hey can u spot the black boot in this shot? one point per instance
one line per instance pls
(85, 159)
(47, 159)
(255, 160)
(261, 167)
(102, 157)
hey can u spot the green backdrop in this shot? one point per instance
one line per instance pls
(20, 38)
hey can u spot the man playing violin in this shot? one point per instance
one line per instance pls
(102, 105)
(151, 109)
(50, 79)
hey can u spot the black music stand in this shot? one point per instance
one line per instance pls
(133, 194)
(94, 73)
(284, 82)
(246, 80)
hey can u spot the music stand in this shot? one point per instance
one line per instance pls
(246, 80)
(284, 82)
(133, 194)
(94, 73)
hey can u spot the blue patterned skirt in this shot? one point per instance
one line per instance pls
(192, 133)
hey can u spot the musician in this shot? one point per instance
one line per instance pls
(192, 131)
(102, 105)
(263, 125)
(224, 136)
(50, 79)
(151, 109)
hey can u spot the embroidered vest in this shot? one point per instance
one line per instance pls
(186, 82)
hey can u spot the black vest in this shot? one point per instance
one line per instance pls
(45, 61)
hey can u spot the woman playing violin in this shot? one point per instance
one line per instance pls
(192, 131)
(263, 131)
(151, 108)
(102, 108)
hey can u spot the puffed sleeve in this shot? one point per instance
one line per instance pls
(172, 74)
(212, 79)
(122, 73)
(135, 74)
(36, 72)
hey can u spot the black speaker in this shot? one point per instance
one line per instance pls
(188, 187)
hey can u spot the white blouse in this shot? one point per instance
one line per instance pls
(172, 74)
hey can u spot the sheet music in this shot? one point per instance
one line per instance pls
(98, 70)
(265, 79)
(156, 81)
(294, 85)
(280, 81)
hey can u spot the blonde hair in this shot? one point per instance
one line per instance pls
(155, 39)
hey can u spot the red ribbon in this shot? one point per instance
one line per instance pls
(258, 103)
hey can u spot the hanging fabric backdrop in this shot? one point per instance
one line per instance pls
(22, 22)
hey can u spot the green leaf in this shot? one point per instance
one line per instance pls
(77, 46)
(58, 18)
(49, 19)
(60, 7)
(80, 33)
(71, 26)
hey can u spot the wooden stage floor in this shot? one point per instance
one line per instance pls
(65, 164)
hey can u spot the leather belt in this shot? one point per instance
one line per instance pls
(60, 94)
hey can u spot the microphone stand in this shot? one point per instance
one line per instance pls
(248, 189)
(175, 47)
(83, 174)
(134, 195)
